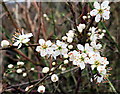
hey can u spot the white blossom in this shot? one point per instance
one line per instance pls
(101, 11)
(60, 48)
(22, 39)
(81, 27)
(44, 48)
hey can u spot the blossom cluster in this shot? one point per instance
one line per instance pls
(80, 55)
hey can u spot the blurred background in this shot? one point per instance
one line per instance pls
(55, 19)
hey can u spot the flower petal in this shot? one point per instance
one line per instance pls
(29, 35)
(25, 40)
(105, 14)
(80, 47)
(41, 41)
(97, 18)
(19, 45)
(104, 5)
(16, 43)
(93, 12)
(48, 43)
(96, 5)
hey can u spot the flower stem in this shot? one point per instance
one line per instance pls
(113, 88)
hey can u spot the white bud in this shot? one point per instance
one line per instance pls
(47, 19)
(41, 89)
(69, 39)
(66, 56)
(70, 35)
(84, 17)
(63, 68)
(104, 31)
(53, 63)
(99, 30)
(66, 61)
(32, 69)
(52, 69)
(27, 88)
(89, 34)
(70, 46)
(45, 15)
(60, 66)
(10, 66)
(20, 63)
(19, 71)
(54, 78)
(71, 31)
(89, 17)
(24, 74)
(5, 43)
(64, 37)
(45, 70)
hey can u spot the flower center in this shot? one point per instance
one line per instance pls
(44, 46)
(97, 63)
(59, 48)
(100, 11)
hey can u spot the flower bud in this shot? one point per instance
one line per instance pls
(70, 46)
(64, 38)
(5, 43)
(54, 78)
(45, 70)
(10, 66)
(19, 71)
(20, 63)
(66, 61)
(41, 89)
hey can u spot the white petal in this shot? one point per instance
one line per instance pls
(43, 53)
(29, 35)
(93, 66)
(105, 14)
(97, 18)
(25, 40)
(38, 48)
(99, 79)
(49, 43)
(64, 51)
(93, 12)
(80, 47)
(58, 43)
(41, 41)
(96, 5)
(19, 45)
(82, 65)
(16, 43)
(104, 5)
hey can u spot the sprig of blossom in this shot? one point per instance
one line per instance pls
(101, 11)
(21, 39)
